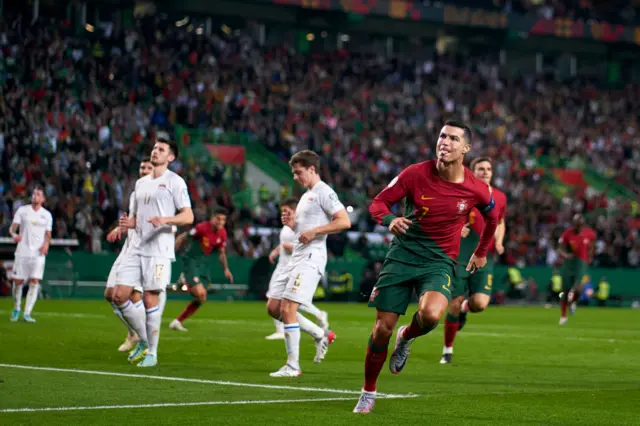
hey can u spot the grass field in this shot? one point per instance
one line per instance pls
(512, 366)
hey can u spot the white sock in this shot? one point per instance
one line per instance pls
(310, 309)
(134, 314)
(447, 350)
(32, 296)
(123, 319)
(309, 327)
(279, 326)
(465, 306)
(292, 343)
(154, 319)
(17, 297)
(162, 301)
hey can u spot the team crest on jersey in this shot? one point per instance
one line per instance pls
(462, 205)
(374, 294)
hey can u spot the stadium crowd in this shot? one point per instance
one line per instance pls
(78, 112)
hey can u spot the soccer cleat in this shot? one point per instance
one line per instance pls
(139, 351)
(446, 359)
(400, 352)
(275, 336)
(323, 320)
(28, 318)
(563, 320)
(286, 371)
(177, 325)
(462, 320)
(129, 343)
(322, 346)
(15, 315)
(149, 360)
(365, 403)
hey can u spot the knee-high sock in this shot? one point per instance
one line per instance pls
(375, 359)
(309, 327)
(416, 328)
(135, 315)
(292, 343)
(116, 311)
(310, 309)
(154, 320)
(162, 301)
(17, 296)
(279, 326)
(451, 325)
(32, 297)
(191, 309)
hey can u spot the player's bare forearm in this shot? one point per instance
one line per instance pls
(490, 225)
(185, 217)
(222, 257)
(180, 239)
(13, 230)
(380, 208)
(339, 223)
(500, 232)
(288, 247)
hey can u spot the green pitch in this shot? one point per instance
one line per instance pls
(512, 366)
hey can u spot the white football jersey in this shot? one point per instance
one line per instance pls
(34, 224)
(163, 196)
(316, 208)
(287, 236)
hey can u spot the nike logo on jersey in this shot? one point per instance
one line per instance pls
(423, 198)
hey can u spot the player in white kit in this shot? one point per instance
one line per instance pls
(136, 296)
(161, 201)
(283, 253)
(35, 223)
(318, 214)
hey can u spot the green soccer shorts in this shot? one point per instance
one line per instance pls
(398, 281)
(480, 282)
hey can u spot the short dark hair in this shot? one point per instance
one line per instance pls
(468, 134)
(475, 162)
(145, 160)
(220, 210)
(40, 188)
(173, 145)
(289, 202)
(306, 159)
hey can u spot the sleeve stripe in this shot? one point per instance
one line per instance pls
(488, 207)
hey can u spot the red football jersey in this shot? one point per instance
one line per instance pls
(437, 208)
(579, 242)
(476, 221)
(208, 237)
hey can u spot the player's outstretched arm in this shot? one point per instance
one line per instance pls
(222, 257)
(501, 230)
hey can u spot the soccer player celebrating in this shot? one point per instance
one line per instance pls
(318, 214)
(576, 248)
(438, 195)
(35, 223)
(136, 296)
(161, 201)
(283, 253)
(207, 236)
(478, 285)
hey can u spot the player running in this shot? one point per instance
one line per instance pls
(161, 200)
(283, 253)
(478, 285)
(577, 246)
(438, 195)
(35, 223)
(318, 214)
(207, 236)
(136, 296)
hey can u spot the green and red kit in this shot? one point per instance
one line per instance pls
(195, 261)
(424, 258)
(577, 243)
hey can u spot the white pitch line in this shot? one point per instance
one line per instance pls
(171, 404)
(211, 382)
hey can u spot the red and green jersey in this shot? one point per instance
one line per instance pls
(438, 210)
(578, 243)
(207, 239)
(476, 225)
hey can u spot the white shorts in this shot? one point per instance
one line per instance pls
(150, 273)
(297, 283)
(111, 280)
(26, 268)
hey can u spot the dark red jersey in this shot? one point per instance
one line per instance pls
(476, 223)
(438, 210)
(209, 238)
(579, 242)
